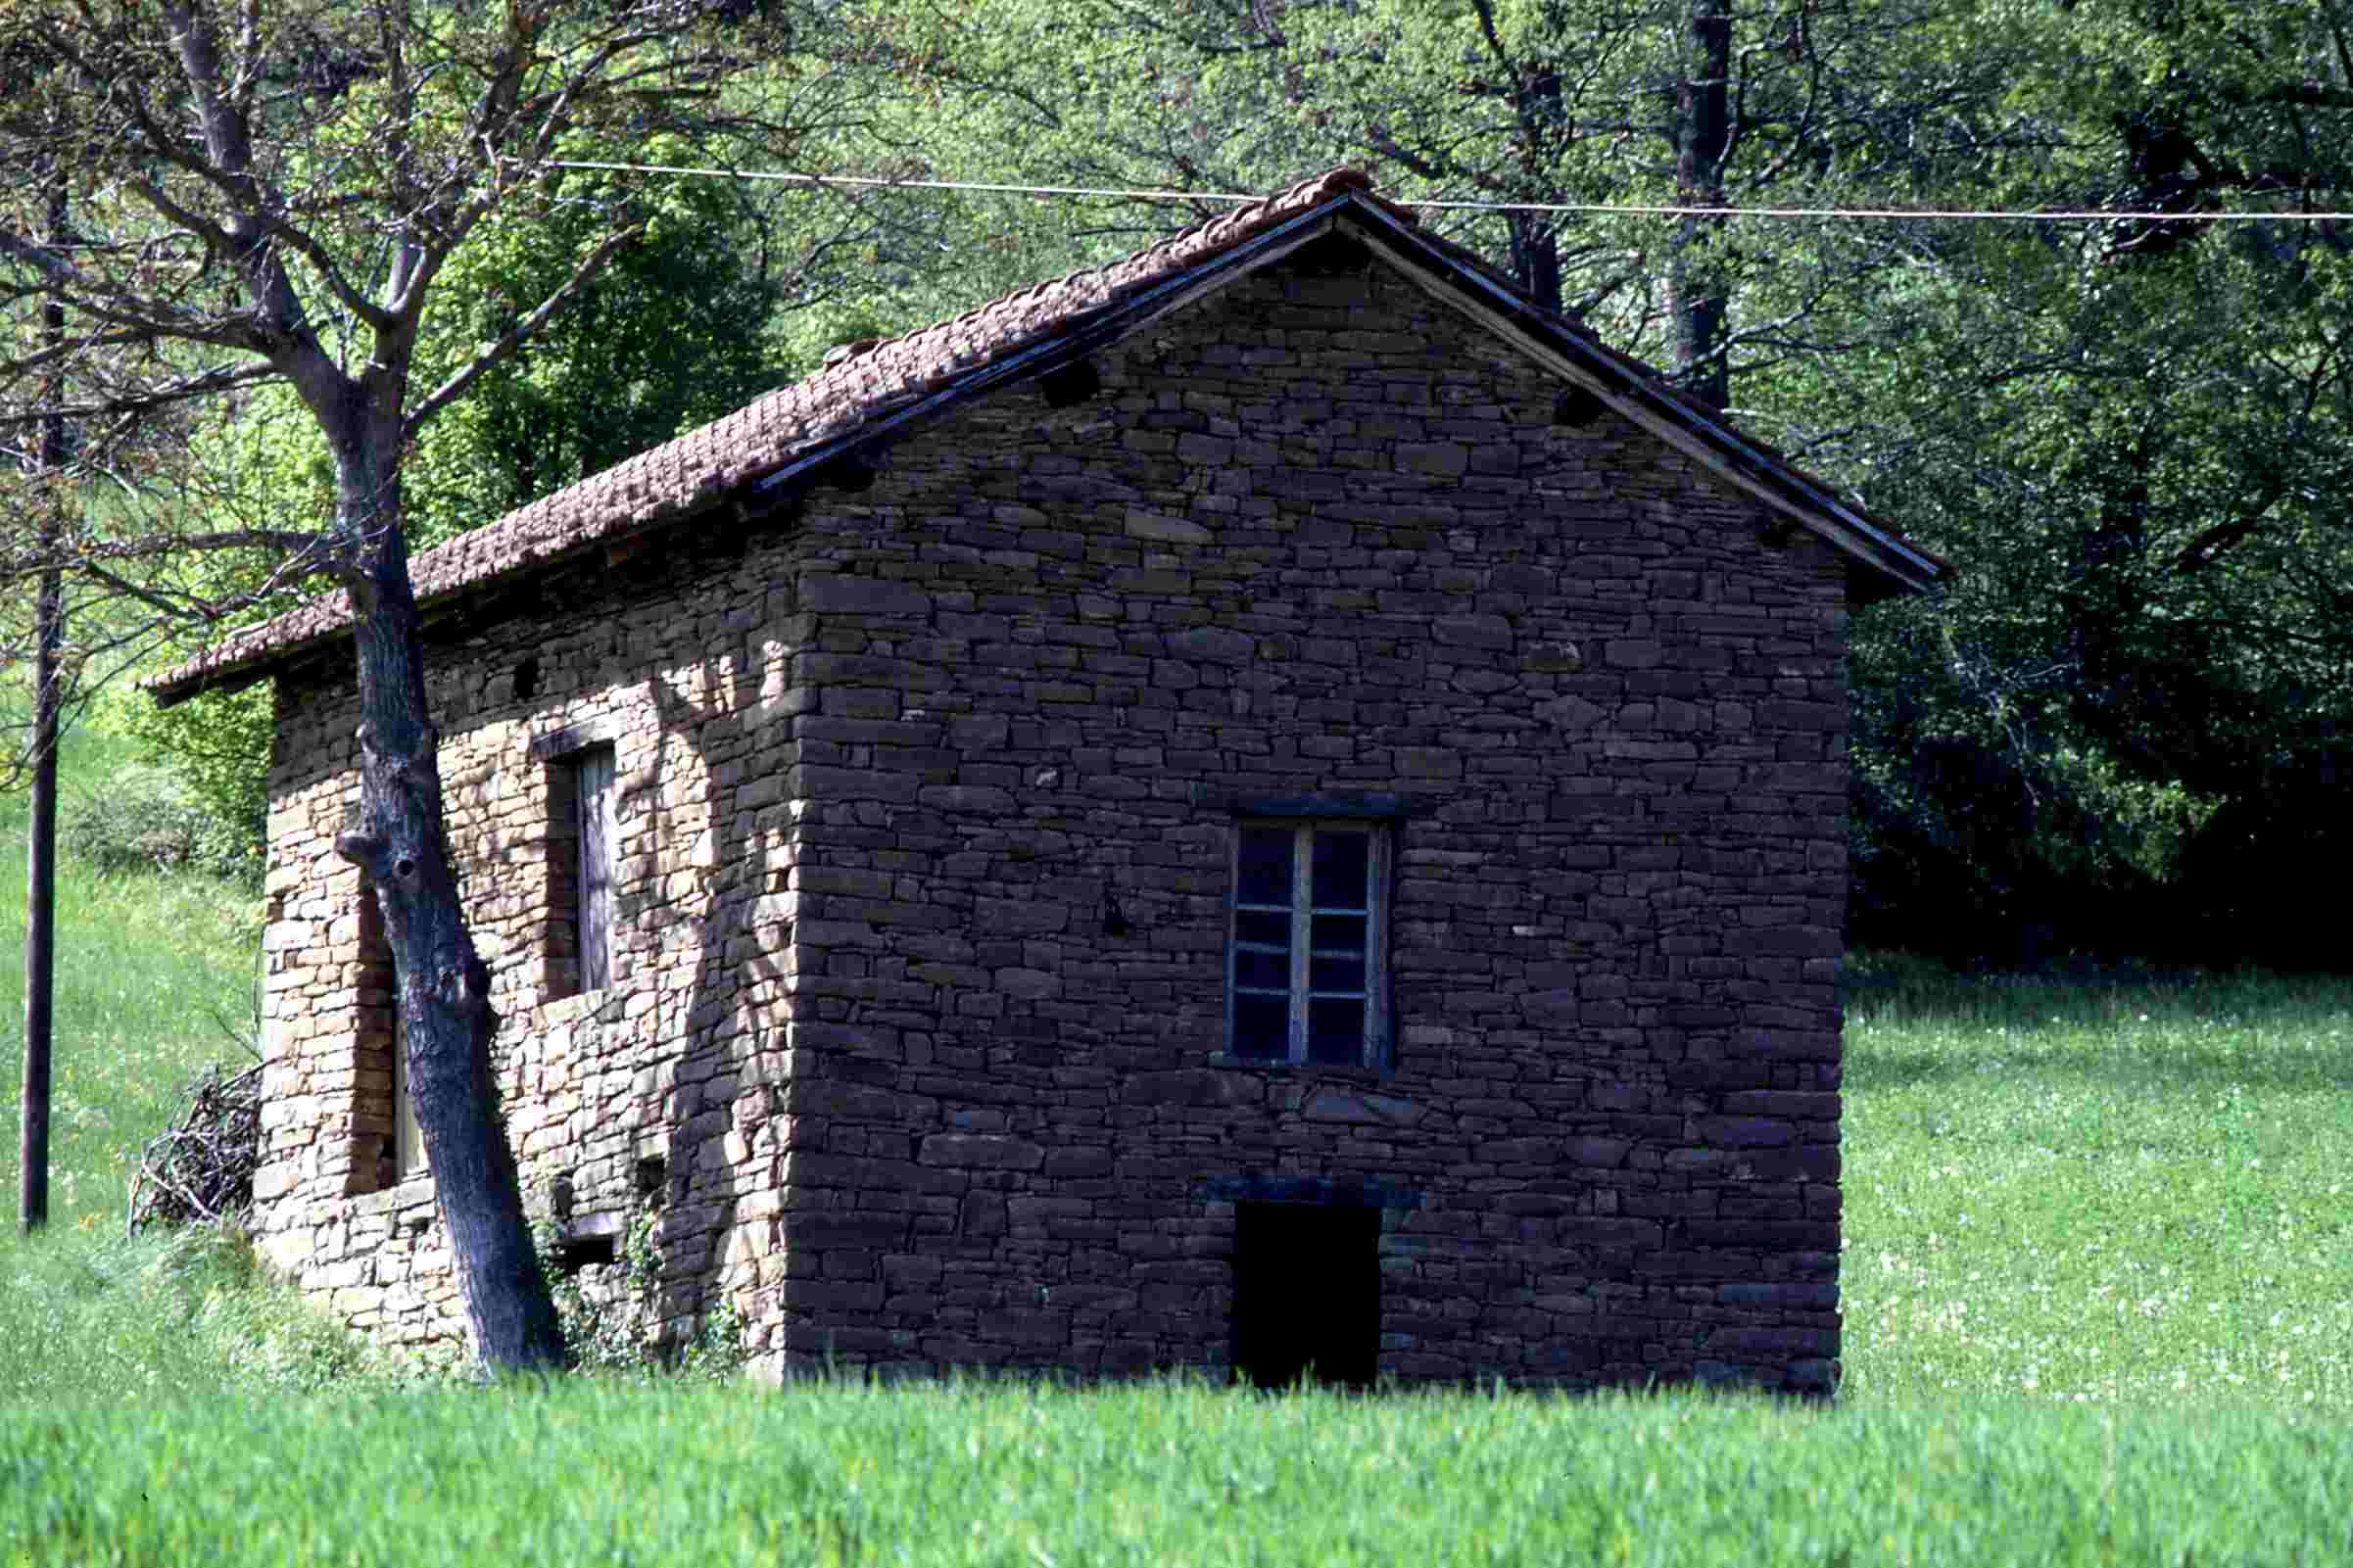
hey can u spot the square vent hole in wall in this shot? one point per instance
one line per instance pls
(1307, 1289)
(588, 1241)
(653, 1176)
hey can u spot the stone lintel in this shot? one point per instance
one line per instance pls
(577, 737)
(1373, 807)
(1329, 1194)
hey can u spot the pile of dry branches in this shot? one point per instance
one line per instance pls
(203, 1168)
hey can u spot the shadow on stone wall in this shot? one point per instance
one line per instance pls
(715, 1043)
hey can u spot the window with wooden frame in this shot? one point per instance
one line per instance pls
(580, 879)
(1308, 965)
(408, 1138)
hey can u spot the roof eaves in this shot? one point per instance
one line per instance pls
(1098, 328)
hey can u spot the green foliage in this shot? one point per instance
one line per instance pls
(217, 748)
(2131, 462)
(1524, 101)
(155, 974)
(2120, 724)
(674, 332)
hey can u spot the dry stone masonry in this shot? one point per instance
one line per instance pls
(925, 792)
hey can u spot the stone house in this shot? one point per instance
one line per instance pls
(1272, 803)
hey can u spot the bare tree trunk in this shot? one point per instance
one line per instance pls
(1536, 236)
(1698, 296)
(1536, 258)
(443, 985)
(40, 853)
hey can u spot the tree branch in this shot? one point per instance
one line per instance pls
(228, 145)
(505, 346)
(141, 315)
(204, 384)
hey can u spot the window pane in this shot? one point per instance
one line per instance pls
(1262, 927)
(1335, 1029)
(1259, 971)
(1263, 875)
(1338, 934)
(1262, 1025)
(1336, 974)
(1342, 860)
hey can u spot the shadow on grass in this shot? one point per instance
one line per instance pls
(1912, 1020)
(2167, 1070)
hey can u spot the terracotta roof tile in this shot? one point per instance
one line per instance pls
(852, 389)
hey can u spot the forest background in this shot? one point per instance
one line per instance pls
(2123, 730)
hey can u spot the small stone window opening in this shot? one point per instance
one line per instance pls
(1576, 407)
(408, 1138)
(652, 1175)
(1067, 385)
(1309, 951)
(388, 1146)
(580, 871)
(591, 1242)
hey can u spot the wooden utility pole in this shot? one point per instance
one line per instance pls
(40, 857)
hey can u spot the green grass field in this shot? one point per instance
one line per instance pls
(2126, 1188)
(2098, 1288)
(1154, 1474)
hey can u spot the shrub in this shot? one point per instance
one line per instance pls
(142, 817)
(217, 747)
(612, 1314)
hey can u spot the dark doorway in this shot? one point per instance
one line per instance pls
(1306, 1293)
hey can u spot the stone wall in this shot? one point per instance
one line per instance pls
(621, 1102)
(874, 1056)
(1319, 537)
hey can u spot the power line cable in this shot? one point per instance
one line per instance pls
(1968, 215)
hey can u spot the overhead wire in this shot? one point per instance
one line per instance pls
(1147, 193)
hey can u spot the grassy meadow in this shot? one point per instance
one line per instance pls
(2098, 1286)
(155, 976)
(2107, 1188)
